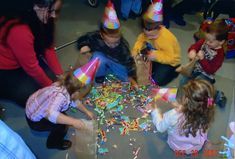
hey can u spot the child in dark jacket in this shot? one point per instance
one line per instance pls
(110, 47)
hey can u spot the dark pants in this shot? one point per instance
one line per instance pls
(17, 85)
(224, 7)
(163, 74)
(57, 131)
(187, 6)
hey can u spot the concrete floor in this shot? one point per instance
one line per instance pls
(77, 18)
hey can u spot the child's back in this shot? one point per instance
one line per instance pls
(188, 123)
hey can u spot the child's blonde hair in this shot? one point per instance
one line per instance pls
(72, 84)
(198, 107)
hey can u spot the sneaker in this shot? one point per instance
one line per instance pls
(220, 99)
(99, 79)
(63, 145)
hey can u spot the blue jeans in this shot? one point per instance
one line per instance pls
(12, 145)
(128, 5)
(185, 79)
(109, 66)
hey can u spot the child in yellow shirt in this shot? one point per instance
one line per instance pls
(162, 49)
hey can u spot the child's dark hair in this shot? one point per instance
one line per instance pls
(198, 111)
(219, 28)
(149, 24)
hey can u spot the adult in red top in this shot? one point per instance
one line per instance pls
(27, 57)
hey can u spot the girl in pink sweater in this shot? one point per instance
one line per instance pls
(188, 123)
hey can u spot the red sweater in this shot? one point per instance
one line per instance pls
(212, 66)
(19, 53)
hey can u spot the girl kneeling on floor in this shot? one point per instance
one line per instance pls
(188, 123)
(45, 109)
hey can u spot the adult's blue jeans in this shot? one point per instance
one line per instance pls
(109, 66)
(130, 5)
(12, 145)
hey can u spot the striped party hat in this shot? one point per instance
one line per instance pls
(87, 72)
(166, 94)
(155, 11)
(110, 19)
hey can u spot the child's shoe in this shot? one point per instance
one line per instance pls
(63, 145)
(220, 99)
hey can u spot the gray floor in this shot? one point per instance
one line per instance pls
(77, 18)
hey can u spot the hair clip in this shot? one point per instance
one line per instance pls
(210, 102)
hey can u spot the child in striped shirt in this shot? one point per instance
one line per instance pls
(45, 109)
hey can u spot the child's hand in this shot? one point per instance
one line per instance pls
(200, 55)
(192, 54)
(134, 84)
(90, 115)
(78, 124)
(152, 56)
(85, 49)
(151, 106)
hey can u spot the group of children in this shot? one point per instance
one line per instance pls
(187, 123)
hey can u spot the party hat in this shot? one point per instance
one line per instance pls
(87, 72)
(166, 94)
(155, 12)
(110, 19)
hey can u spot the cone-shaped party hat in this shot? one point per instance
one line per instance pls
(155, 11)
(110, 19)
(166, 94)
(87, 72)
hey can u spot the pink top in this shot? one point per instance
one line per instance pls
(47, 102)
(170, 123)
(19, 53)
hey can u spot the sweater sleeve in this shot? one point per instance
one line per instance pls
(21, 41)
(212, 66)
(138, 45)
(197, 46)
(169, 119)
(161, 123)
(168, 54)
(53, 62)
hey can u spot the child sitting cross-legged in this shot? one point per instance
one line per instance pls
(110, 47)
(45, 109)
(187, 124)
(158, 45)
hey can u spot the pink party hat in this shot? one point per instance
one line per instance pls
(87, 72)
(166, 94)
(110, 19)
(155, 11)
